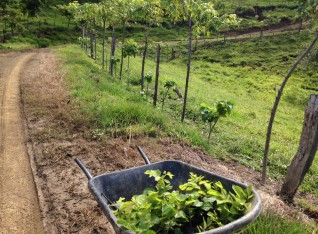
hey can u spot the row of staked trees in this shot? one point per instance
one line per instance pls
(200, 17)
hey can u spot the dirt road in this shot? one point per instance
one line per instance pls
(19, 208)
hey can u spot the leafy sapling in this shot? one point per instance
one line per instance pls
(213, 114)
(148, 78)
(130, 48)
(168, 85)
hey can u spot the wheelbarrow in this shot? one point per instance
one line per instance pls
(108, 188)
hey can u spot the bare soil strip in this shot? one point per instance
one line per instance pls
(19, 208)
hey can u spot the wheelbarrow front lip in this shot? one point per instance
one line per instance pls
(252, 214)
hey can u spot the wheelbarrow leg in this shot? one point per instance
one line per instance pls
(84, 169)
(143, 155)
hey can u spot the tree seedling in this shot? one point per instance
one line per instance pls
(130, 48)
(212, 115)
(168, 85)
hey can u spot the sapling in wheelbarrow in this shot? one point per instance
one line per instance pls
(186, 198)
(199, 205)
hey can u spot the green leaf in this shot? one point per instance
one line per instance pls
(197, 203)
(181, 215)
(239, 191)
(168, 211)
(154, 173)
(206, 206)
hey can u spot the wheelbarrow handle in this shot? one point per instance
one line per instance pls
(84, 169)
(144, 156)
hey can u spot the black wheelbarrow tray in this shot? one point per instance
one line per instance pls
(108, 188)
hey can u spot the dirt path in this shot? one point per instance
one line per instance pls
(19, 208)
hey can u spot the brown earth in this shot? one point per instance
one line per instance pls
(19, 207)
(57, 133)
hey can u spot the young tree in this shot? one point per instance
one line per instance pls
(88, 13)
(201, 17)
(150, 12)
(155, 94)
(124, 11)
(311, 7)
(148, 79)
(213, 114)
(69, 11)
(168, 85)
(104, 12)
(129, 49)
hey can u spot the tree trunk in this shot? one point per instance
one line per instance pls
(155, 95)
(122, 52)
(144, 60)
(95, 46)
(103, 45)
(128, 71)
(173, 54)
(91, 38)
(306, 151)
(188, 70)
(112, 53)
(273, 112)
(83, 36)
(86, 41)
(300, 26)
(95, 41)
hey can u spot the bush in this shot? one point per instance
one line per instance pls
(246, 11)
(44, 42)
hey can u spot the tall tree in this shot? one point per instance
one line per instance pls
(149, 12)
(69, 11)
(125, 11)
(201, 17)
(104, 10)
(87, 13)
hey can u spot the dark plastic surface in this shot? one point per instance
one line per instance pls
(108, 188)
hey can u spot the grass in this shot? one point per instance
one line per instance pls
(269, 223)
(109, 104)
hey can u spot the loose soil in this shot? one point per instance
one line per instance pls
(57, 133)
